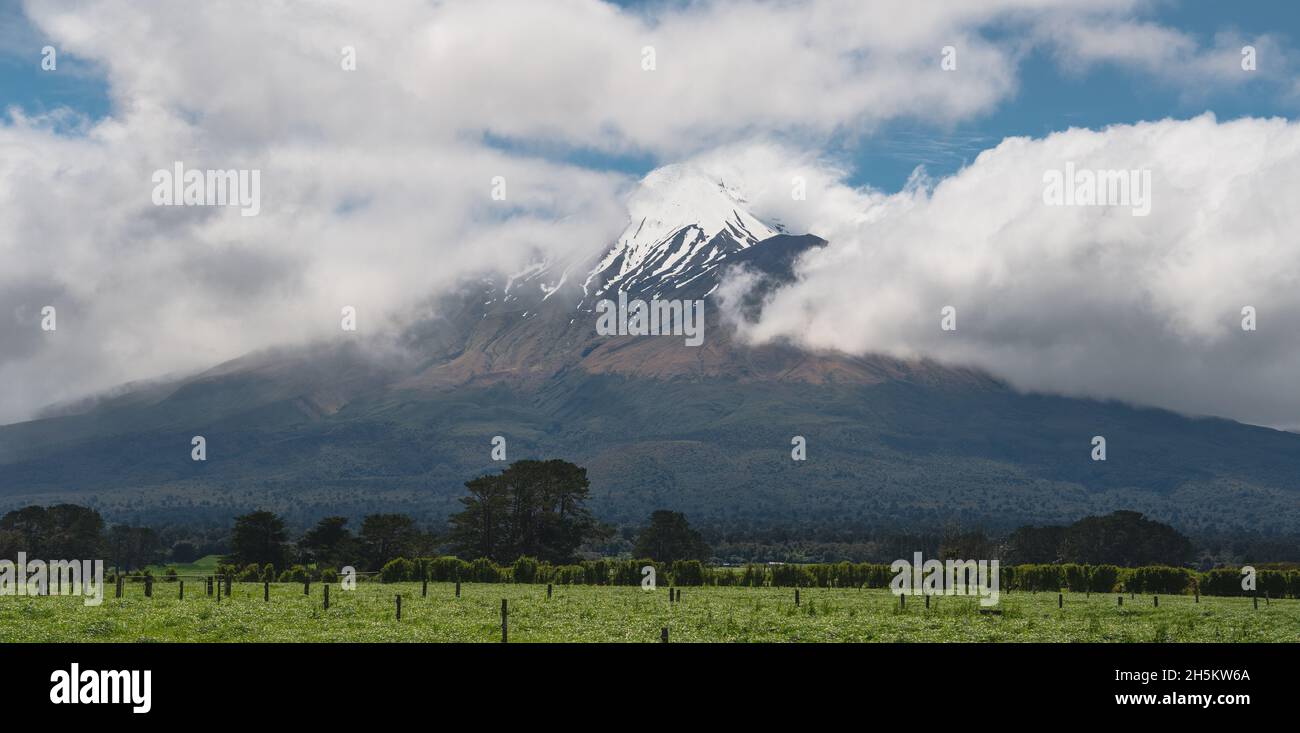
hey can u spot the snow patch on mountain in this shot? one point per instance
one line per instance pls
(682, 224)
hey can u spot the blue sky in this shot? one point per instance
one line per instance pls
(1047, 98)
(79, 85)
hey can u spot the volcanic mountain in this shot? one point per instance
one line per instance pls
(354, 427)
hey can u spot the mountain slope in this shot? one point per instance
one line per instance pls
(897, 453)
(353, 427)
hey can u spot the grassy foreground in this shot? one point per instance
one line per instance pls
(629, 614)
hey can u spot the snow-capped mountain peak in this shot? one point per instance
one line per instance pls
(682, 224)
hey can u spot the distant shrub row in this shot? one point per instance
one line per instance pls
(1045, 577)
(1053, 578)
(1149, 579)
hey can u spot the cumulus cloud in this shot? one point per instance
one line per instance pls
(375, 182)
(1079, 300)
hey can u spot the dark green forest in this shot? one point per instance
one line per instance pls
(538, 510)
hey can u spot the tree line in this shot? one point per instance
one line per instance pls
(537, 510)
(530, 509)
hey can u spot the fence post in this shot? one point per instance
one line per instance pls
(180, 596)
(663, 635)
(1060, 600)
(399, 606)
(679, 595)
(1120, 598)
(209, 586)
(119, 585)
(505, 622)
(327, 597)
(458, 589)
(266, 591)
(306, 587)
(902, 601)
(148, 586)
(227, 586)
(1198, 595)
(1256, 603)
(424, 588)
(548, 591)
(927, 600)
(670, 594)
(796, 596)
(1156, 601)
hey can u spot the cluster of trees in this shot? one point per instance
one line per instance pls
(72, 532)
(532, 508)
(670, 538)
(261, 538)
(1121, 538)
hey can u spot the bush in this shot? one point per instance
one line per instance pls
(1075, 577)
(397, 570)
(755, 576)
(688, 572)
(1038, 578)
(570, 575)
(420, 568)
(628, 572)
(295, 574)
(525, 570)
(598, 572)
(1102, 578)
(1271, 583)
(448, 568)
(790, 576)
(1159, 579)
(484, 570)
(1221, 582)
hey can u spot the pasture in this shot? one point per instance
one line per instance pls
(578, 613)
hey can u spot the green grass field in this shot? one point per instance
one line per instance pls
(629, 614)
(206, 565)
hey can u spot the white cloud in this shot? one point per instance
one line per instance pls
(1078, 300)
(1165, 53)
